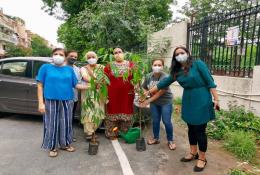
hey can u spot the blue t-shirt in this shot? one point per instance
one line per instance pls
(58, 82)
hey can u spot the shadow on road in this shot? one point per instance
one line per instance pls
(21, 117)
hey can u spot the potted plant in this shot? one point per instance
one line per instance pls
(138, 73)
(96, 93)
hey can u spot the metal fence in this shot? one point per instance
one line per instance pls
(228, 43)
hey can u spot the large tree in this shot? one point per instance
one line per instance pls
(109, 23)
(17, 51)
(202, 8)
(40, 46)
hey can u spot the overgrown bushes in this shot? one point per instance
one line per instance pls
(236, 118)
(239, 128)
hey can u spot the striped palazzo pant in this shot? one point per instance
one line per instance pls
(57, 124)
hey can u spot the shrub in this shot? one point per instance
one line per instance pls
(236, 118)
(241, 143)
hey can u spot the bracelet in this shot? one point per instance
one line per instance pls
(216, 100)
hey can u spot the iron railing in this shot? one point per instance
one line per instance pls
(207, 40)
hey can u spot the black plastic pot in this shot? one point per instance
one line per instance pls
(93, 148)
(140, 144)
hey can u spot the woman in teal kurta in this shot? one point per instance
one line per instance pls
(197, 108)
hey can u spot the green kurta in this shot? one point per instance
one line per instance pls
(197, 105)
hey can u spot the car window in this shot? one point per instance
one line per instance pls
(36, 67)
(16, 68)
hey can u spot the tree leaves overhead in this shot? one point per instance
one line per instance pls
(203, 8)
(107, 23)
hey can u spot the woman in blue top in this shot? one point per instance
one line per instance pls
(55, 96)
(197, 108)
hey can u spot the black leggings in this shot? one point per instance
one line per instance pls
(197, 135)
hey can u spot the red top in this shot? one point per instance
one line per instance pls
(120, 92)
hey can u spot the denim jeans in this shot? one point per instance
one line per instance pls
(163, 112)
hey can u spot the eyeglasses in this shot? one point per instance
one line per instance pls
(117, 52)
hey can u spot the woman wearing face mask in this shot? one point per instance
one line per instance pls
(55, 96)
(119, 110)
(161, 104)
(87, 72)
(71, 58)
(197, 108)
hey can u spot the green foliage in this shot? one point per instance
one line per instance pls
(105, 24)
(237, 172)
(17, 51)
(96, 93)
(40, 46)
(177, 101)
(203, 8)
(236, 118)
(241, 143)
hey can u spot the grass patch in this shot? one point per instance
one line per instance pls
(237, 172)
(241, 143)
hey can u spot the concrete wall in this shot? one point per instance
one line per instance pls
(234, 90)
(176, 34)
(242, 91)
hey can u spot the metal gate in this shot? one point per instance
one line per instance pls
(229, 43)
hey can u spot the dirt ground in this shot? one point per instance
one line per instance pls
(220, 161)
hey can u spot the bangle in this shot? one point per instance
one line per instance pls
(216, 100)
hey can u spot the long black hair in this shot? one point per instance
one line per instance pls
(176, 66)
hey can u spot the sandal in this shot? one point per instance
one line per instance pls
(199, 169)
(53, 153)
(194, 156)
(171, 145)
(69, 149)
(153, 141)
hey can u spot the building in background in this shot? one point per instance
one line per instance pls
(13, 31)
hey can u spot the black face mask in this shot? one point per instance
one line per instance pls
(71, 61)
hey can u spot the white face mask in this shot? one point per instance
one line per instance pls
(92, 61)
(182, 58)
(58, 60)
(157, 69)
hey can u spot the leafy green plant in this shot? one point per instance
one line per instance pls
(97, 92)
(236, 118)
(101, 80)
(177, 101)
(241, 143)
(217, 128)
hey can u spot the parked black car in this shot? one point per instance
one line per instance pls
(18, 87)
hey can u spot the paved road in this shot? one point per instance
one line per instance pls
(20, 141)
(20, 154)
